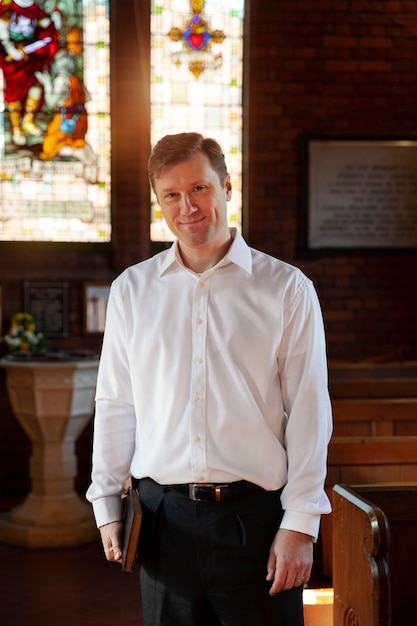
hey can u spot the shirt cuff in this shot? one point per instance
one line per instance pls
(107, 510)
(302, 523)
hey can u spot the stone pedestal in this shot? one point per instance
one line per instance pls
(53, 401)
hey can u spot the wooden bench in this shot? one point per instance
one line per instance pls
(375, 423)
(374, 554)
(356, 460)
(374, 400)
(375, 430)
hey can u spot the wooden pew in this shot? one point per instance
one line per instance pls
(375, 432)
(357, 460)
(374, 554)
(365, 460)
(373, 401)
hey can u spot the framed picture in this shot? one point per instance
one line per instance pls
(48, 303)
(359, 194)
(96, 295)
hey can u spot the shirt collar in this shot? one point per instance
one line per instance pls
(239, 253)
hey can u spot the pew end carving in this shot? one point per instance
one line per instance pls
(374, 550)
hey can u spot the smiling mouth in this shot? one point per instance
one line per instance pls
(198, 220)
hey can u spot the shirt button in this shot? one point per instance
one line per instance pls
(199, 320)
(202, 283)
(201, 479)
(197, 439)
(199, 360)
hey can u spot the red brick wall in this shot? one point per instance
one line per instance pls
(329, 67)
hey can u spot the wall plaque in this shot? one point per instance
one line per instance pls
(361, 194)
(48, 303)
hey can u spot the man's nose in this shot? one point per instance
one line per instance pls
(187, 206)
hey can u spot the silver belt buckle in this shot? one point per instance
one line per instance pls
(192, 487)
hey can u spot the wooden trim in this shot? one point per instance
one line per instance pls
(370, 409)
(372, 451)
(372, 388)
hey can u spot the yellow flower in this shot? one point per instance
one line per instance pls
(22, 335)
(23, 321)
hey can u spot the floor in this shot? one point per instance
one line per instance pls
(65, 587)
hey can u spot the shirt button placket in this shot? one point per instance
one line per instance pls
(199, 381)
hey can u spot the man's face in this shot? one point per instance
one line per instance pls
(194, 202)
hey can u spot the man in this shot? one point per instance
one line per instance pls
(212, 390)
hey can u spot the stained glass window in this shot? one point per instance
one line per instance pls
(54, 121)
(196, 82)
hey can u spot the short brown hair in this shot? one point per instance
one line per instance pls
(181, 147)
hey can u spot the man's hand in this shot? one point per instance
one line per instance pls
(290, 560)
(111, 537)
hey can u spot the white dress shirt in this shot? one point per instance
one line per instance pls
(214, 378)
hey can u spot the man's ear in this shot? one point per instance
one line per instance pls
(228, 188)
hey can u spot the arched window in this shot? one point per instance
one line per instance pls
(55, 121)
(196, 82)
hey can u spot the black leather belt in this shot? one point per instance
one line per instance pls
(215, 492)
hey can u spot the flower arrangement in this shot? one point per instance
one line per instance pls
(22, 335)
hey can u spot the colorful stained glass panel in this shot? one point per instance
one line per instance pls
(55, 121)
(196, 83)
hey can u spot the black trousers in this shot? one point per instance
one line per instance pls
(204, 564)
